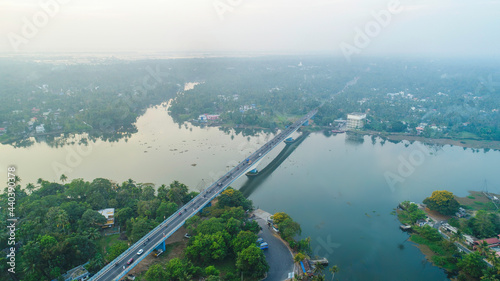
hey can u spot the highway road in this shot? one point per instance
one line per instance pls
(119, 267)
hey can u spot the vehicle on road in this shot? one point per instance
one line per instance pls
(260, 240)
(157, 252)
(130, 261)
(264, 246)
(140, 252)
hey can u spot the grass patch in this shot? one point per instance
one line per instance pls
(227, 265)
(471, 197)
(443, 254)
(105, 242)
(478, 203)
(467, 135)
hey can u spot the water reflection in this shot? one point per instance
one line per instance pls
(354, 139)
(254, 182)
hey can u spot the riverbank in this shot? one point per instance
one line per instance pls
(468, 143)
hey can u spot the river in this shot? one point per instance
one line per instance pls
(341, 189)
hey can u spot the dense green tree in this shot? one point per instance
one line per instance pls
(442, 201)
(57, 219)
(210, 226)
(166, 209)
(279, 217)
(122, 215)
(74, 210)
(208, 247)
(430, 233)
(156, 272)
(483, 224)
(472, 264)
(252, 226)
(148, 208)
(212, 271)
(288, 228)
(233, 226)
(252, 262)
(148, 192)
(138, 227)
(299, 257)
(233, 198)
(91, 218)
(243, 240)
(162, 192)
(116, 249)
(177, 192)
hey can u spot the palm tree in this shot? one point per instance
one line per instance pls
(483, 248)
(334, 269)
(94, 233)
(318, 268)
(185, 276)
(63, 178)
(299, 257)
(30, 187)
(457, 236)
(320, 277)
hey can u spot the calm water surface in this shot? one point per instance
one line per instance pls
(335, 186)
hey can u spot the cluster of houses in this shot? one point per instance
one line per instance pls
(421, 127)
(208, 117)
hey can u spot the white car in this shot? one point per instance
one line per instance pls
(140, 252)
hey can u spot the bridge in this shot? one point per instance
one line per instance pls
(155, 239)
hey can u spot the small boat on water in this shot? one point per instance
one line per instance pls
(337, 131)
(405, 227)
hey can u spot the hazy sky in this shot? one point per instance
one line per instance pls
(429, 27)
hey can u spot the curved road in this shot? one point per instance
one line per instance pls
(278, 256)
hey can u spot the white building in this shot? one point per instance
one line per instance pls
(109, 214)
(355, 120)
(40, 129)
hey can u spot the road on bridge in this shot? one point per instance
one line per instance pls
(119, 267)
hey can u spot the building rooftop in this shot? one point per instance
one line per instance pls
(109, 214)
(490, 241)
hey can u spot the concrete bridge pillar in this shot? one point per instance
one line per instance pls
(161, 246)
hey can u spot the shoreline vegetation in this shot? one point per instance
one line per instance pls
(105, 100)
(60, 227)
(458, 234)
